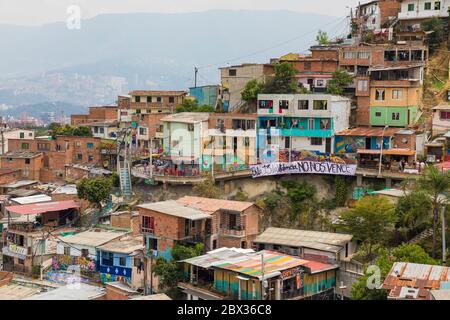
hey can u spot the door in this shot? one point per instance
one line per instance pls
(328, 145)
(368, 143)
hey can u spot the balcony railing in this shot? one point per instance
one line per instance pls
(237, 231)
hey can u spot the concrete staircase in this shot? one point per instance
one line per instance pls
(421, 236)
(125, 179)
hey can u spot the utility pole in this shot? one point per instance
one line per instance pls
(444, 249)
(262, 277)
(195, 76)
(381, 151)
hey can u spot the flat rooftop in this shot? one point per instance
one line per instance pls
(176, 209)
(93, 238)
(187, 117)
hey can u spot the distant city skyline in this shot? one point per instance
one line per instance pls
(37, 12)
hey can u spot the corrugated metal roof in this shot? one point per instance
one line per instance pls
(126, 245)
(326, 241)
(274, 264)
(443, 294)
(213, 205)
(38, 208)
(93, 238)
(176, 209)
(83, 292)
(32, 199)
(207, 260)
(187, 117)
(414, 276)
(369, 132)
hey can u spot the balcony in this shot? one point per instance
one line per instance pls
(319, 133)
(237, 231)
(272, 132)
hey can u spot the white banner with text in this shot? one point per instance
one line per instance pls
(299, 167)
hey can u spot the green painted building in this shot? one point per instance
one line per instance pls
(393, 116)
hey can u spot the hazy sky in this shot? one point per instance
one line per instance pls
(33, 12)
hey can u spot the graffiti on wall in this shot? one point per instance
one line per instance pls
(346, 144)
(62, 262)
(303, 167)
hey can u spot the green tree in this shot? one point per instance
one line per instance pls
(251, 90)
(95, 190)
(340, 185)
(370, 222)
(405, 253)
(436, 27)
(207, 189)
(413, 212)
(170, 271)
(436, 185)
(322, 38)
(340, 80)
(284, 81)
(191, 105)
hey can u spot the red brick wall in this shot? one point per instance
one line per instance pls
(115, 293)
(165, 225)
(363, 111)
(388, 8)
(409, 144)
(10, 176)
(33, 167)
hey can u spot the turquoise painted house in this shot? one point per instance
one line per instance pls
(206, 95)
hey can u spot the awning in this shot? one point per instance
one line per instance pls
(392, 152)
(38, 208)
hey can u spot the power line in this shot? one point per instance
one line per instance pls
(340, 19)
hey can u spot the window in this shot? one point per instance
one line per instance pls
(307, 65)
(67, 251)
(320, 105)
(30, 134)
(25, 145)
(363, 55)
(142, 131)
(90, 158)
(21, 261)
(377, 114)
(107, 258)
(445, 115)
(78, 143)
(137, 262)
(232, 222)
(158, 99)
(316, 141)
(43, 146)
(411, 7)
(137, 99)
(138, 111)
(284, 104)
(246, 142)
(397, 94)
(310, 124)
(27, 161)
(148, 224)
(265, 104)
(437, 5)
(85, 253)
(303, 104)
(427, 6)
(171, 99)
(79, 156)
(95, 129)
(122, 261)
(287, 142)
(90, 145)
(190, 127)
(350, 55)
(149, 99)
(363, 85)
(102, 130)
(379, 95)
(395, 115)
(22, 135)
(153, 244)
(232, 72)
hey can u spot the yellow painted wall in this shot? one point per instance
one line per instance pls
(410, 97)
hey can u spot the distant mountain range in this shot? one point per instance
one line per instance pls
(112, 54)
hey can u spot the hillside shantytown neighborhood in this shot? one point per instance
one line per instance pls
(312, 176)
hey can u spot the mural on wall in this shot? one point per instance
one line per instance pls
(62, 262)
(345, 144)
(305, 155)
(63, 278)
(269, 154)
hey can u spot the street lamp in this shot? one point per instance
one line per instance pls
(381, 151)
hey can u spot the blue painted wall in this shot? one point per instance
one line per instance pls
(206, 95)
